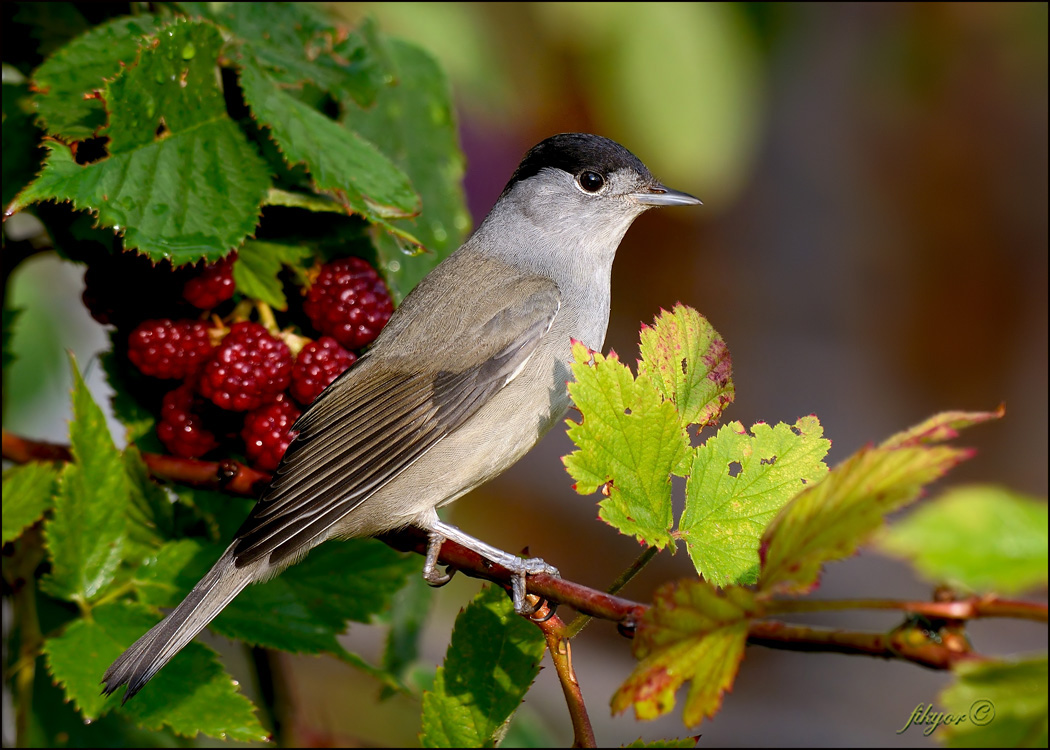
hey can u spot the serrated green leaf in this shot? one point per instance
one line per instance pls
(339, 161)
(86, 534)
(1004, 704)
(298, 44)
(150, 514)
(726, 511)
(258, 263)
(28, 493)
(66, 80)
(829, 520)
(191, 694)
(310, 604)
(303, 610)
(693, 631)
(182, 182)
(172, 87)
(186, 197)
(491, 661)
(630, 437)
(413, 123)
(983, 538)
(689, 364)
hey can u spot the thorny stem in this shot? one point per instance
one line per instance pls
(560, 649)
(964, 609)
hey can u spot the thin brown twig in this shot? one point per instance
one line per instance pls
(560, 649)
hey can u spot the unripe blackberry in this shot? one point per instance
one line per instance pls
(170, 349)
(318, 364)
(268, 432)
(349, 302)
(249, 368)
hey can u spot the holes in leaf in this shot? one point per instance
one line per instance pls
(734, 468)
(627, 411)
(90, 150)
(685, 366)
(768, 461)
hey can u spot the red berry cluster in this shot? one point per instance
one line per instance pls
(240, 386)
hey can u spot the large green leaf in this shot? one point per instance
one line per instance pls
(630, 441)
(1003, 704)
(28, 493)
(829, 520)
(491, 662)
(86, 534)
(192, 694)
(339, 161)
(737, 484)
(67, 81)
(983, 538)
(412, 121)
(181, 182)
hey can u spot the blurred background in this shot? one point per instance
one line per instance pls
(872, 247)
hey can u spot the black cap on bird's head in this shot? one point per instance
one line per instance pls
(578, 153)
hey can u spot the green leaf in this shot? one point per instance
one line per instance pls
(151, 513)
(1004, 704)
(86, 535)
(298, 43)
(726, 511)
(630, 437)
(413, 123)
(65, 83)
(308, 606)
(304, 609)
(492, 660)
(693, 631)
(28, 493)
(689, 364)
(829, 520)
(21, 141)
(941, 427)
(191, 694)
(182, 182)
(339, 160)
(983, 538)
(258, 263)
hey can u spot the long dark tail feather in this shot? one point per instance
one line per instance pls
(144, 658)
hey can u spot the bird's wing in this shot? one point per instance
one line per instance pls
(382, 416)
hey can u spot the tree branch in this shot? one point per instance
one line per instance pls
(905, 643)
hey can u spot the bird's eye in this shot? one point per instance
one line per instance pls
(590, 181)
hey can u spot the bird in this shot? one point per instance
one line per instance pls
(468, 374)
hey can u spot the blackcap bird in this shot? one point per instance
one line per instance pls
(467, 376)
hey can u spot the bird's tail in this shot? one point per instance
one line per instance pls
(144, 658)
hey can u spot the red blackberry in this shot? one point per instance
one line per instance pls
(212, 286)
(318, 364)
(349, 302)
(248, 369)
(181, 427)
(268, 432)
(171, 349)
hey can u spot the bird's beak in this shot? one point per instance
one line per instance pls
(658, 195)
